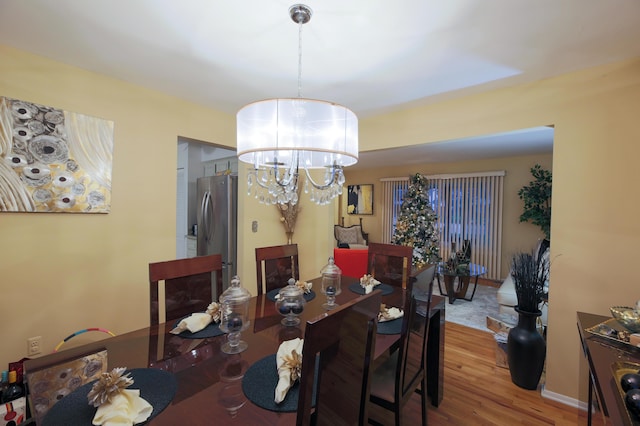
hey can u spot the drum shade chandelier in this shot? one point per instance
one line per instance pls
(278, 137)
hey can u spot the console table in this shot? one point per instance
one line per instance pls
(601, 353)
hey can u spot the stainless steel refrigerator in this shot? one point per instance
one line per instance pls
(218, 221)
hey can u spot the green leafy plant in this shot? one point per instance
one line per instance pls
(537, 200)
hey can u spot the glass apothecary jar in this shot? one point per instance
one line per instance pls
(331, 279)
(290, 303)
(235, 316)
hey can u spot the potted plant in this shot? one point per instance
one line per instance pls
(537, 200)
(526, 347)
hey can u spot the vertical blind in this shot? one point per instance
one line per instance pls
(393, 190)
(469, 207)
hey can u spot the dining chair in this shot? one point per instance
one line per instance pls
(338, 348)
(188, 286)
(390, 263)
(50, 382)
(404, 372)
(275, 265)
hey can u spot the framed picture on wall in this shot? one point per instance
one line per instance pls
(360, 199)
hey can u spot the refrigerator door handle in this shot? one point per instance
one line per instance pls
(206, 218)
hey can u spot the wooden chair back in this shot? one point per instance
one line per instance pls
(49, 382)
(404, 373)
(341, 342)
(390, 263)
(275, 265)
(188, 286)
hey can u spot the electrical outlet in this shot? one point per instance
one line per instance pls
(34, 345)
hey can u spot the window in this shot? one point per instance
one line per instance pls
(469, 207)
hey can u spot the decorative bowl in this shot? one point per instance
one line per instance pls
(628, 317)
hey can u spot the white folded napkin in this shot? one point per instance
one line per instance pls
(389, 313)
(305, 286)
(289, 362)
(199, 320)
(125, 408)
(368, 283)
(116, 404)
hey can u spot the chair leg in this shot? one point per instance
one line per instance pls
(423, 400)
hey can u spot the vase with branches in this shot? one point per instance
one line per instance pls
(526, 347)
(288, 216)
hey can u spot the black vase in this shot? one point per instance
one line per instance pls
(526, 351)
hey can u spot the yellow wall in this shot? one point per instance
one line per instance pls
(61, 272)
(595, 231)
(516, 236)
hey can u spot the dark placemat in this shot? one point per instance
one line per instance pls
(271, 295)
(259, 386)
(211, 330)
(390, 327)
(358, 289)
(157, 387)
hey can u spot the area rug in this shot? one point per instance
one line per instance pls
(472, 314)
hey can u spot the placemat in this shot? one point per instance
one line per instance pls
(259, 386)
(358, 289)
(211, 330)
(271, 295)
(157, 387)
(390, 327)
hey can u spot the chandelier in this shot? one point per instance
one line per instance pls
(280, 137)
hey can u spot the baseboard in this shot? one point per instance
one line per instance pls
(563, 399)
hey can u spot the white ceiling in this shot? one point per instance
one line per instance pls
(372, 56)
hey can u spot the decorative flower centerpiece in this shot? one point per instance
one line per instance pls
(288, 216)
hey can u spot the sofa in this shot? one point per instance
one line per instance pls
(507, 298)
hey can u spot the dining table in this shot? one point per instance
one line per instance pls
(210, 382)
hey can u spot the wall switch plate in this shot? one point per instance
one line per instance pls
(254, 226)
(34, 345)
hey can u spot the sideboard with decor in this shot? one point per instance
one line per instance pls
(608, 359)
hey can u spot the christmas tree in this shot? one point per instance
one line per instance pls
(416, 224)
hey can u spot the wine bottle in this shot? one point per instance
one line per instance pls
(14, 390)
(4, 383)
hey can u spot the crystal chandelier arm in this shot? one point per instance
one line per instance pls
(336, 177)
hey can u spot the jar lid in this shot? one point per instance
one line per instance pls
(235, 293)
(290, 290)
(331, 268)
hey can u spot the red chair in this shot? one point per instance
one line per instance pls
(352, 262)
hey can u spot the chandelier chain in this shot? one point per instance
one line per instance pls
(300, 59)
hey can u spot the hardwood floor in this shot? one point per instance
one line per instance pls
(477, 392)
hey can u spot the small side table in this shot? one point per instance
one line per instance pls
(464, 279)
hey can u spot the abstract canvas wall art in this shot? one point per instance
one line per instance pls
(53, 160)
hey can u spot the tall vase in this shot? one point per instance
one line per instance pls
(526, 351)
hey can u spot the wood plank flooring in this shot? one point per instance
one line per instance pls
(477, 392)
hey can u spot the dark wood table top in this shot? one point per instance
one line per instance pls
(209, 381)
